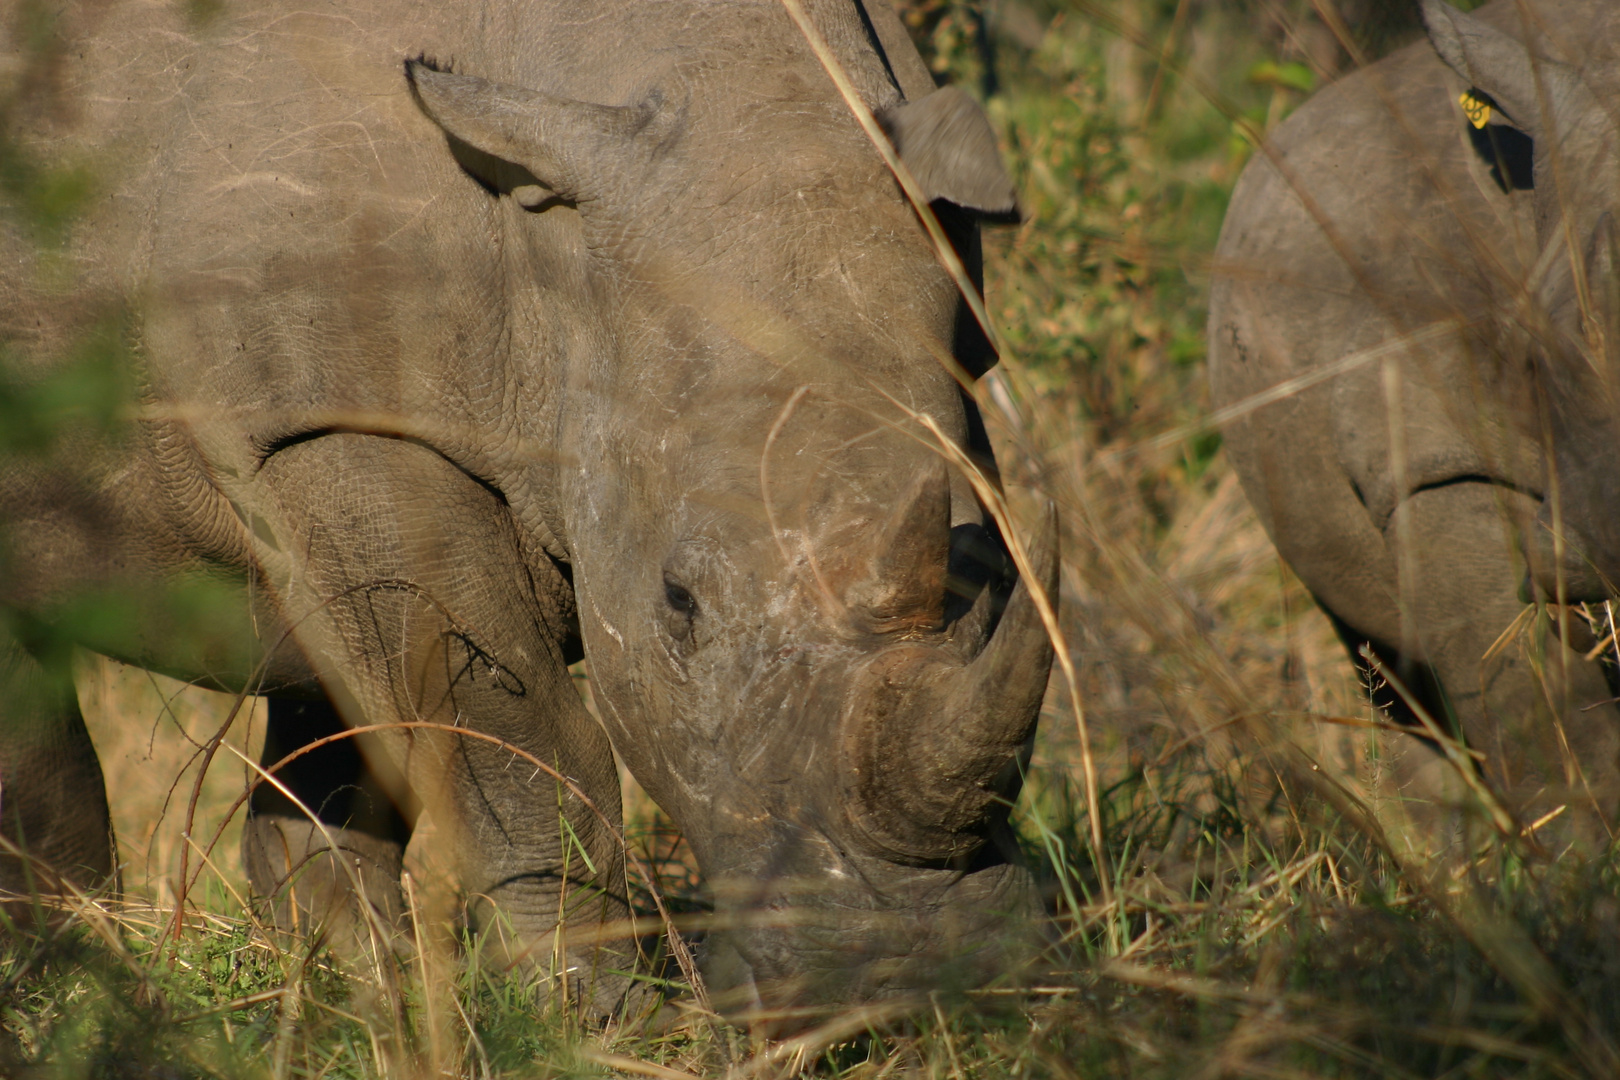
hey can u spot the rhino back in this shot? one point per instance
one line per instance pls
(300, 253)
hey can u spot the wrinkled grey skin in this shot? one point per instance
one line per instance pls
(1371, 216)
(609, 341)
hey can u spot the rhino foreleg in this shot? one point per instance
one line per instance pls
(419, 602)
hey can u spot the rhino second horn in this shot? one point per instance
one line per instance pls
(931, 748)
(904, 583)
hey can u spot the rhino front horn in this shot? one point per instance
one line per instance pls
(932, 745)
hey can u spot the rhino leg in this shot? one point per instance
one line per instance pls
(53, 800)
(419, 600)
(1527, 709)
(289, 858)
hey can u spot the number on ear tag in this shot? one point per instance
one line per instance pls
(1476, 108)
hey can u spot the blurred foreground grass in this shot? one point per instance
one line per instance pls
(1247, 917)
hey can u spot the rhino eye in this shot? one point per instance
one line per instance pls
(678, 598)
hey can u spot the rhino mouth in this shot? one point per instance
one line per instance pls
(785, 955)
(1564, 564)
(885, 872)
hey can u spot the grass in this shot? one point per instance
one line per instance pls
(1258, 908)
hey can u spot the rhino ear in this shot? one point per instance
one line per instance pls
(946, 141)
(1500, 65)
(549, 145)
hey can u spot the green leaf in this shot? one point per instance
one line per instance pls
(1291, 76)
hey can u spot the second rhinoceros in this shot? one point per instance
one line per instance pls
(1422, 260)
(608, 335)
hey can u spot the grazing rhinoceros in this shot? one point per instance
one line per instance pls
(614, 338)
(1429, 245)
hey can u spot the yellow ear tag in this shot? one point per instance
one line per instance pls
(1477, 111)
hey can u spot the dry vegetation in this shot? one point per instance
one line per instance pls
(1256, 910)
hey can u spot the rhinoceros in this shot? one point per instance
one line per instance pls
(1416, 285)
(604, 331)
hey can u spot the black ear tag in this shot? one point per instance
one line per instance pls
(1508, 151)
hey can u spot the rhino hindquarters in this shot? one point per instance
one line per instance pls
(55, 832)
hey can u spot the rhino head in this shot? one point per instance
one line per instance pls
(804, 637)
(1560, 90)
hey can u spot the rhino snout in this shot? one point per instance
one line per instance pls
(783, 951)
(1564, 563)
